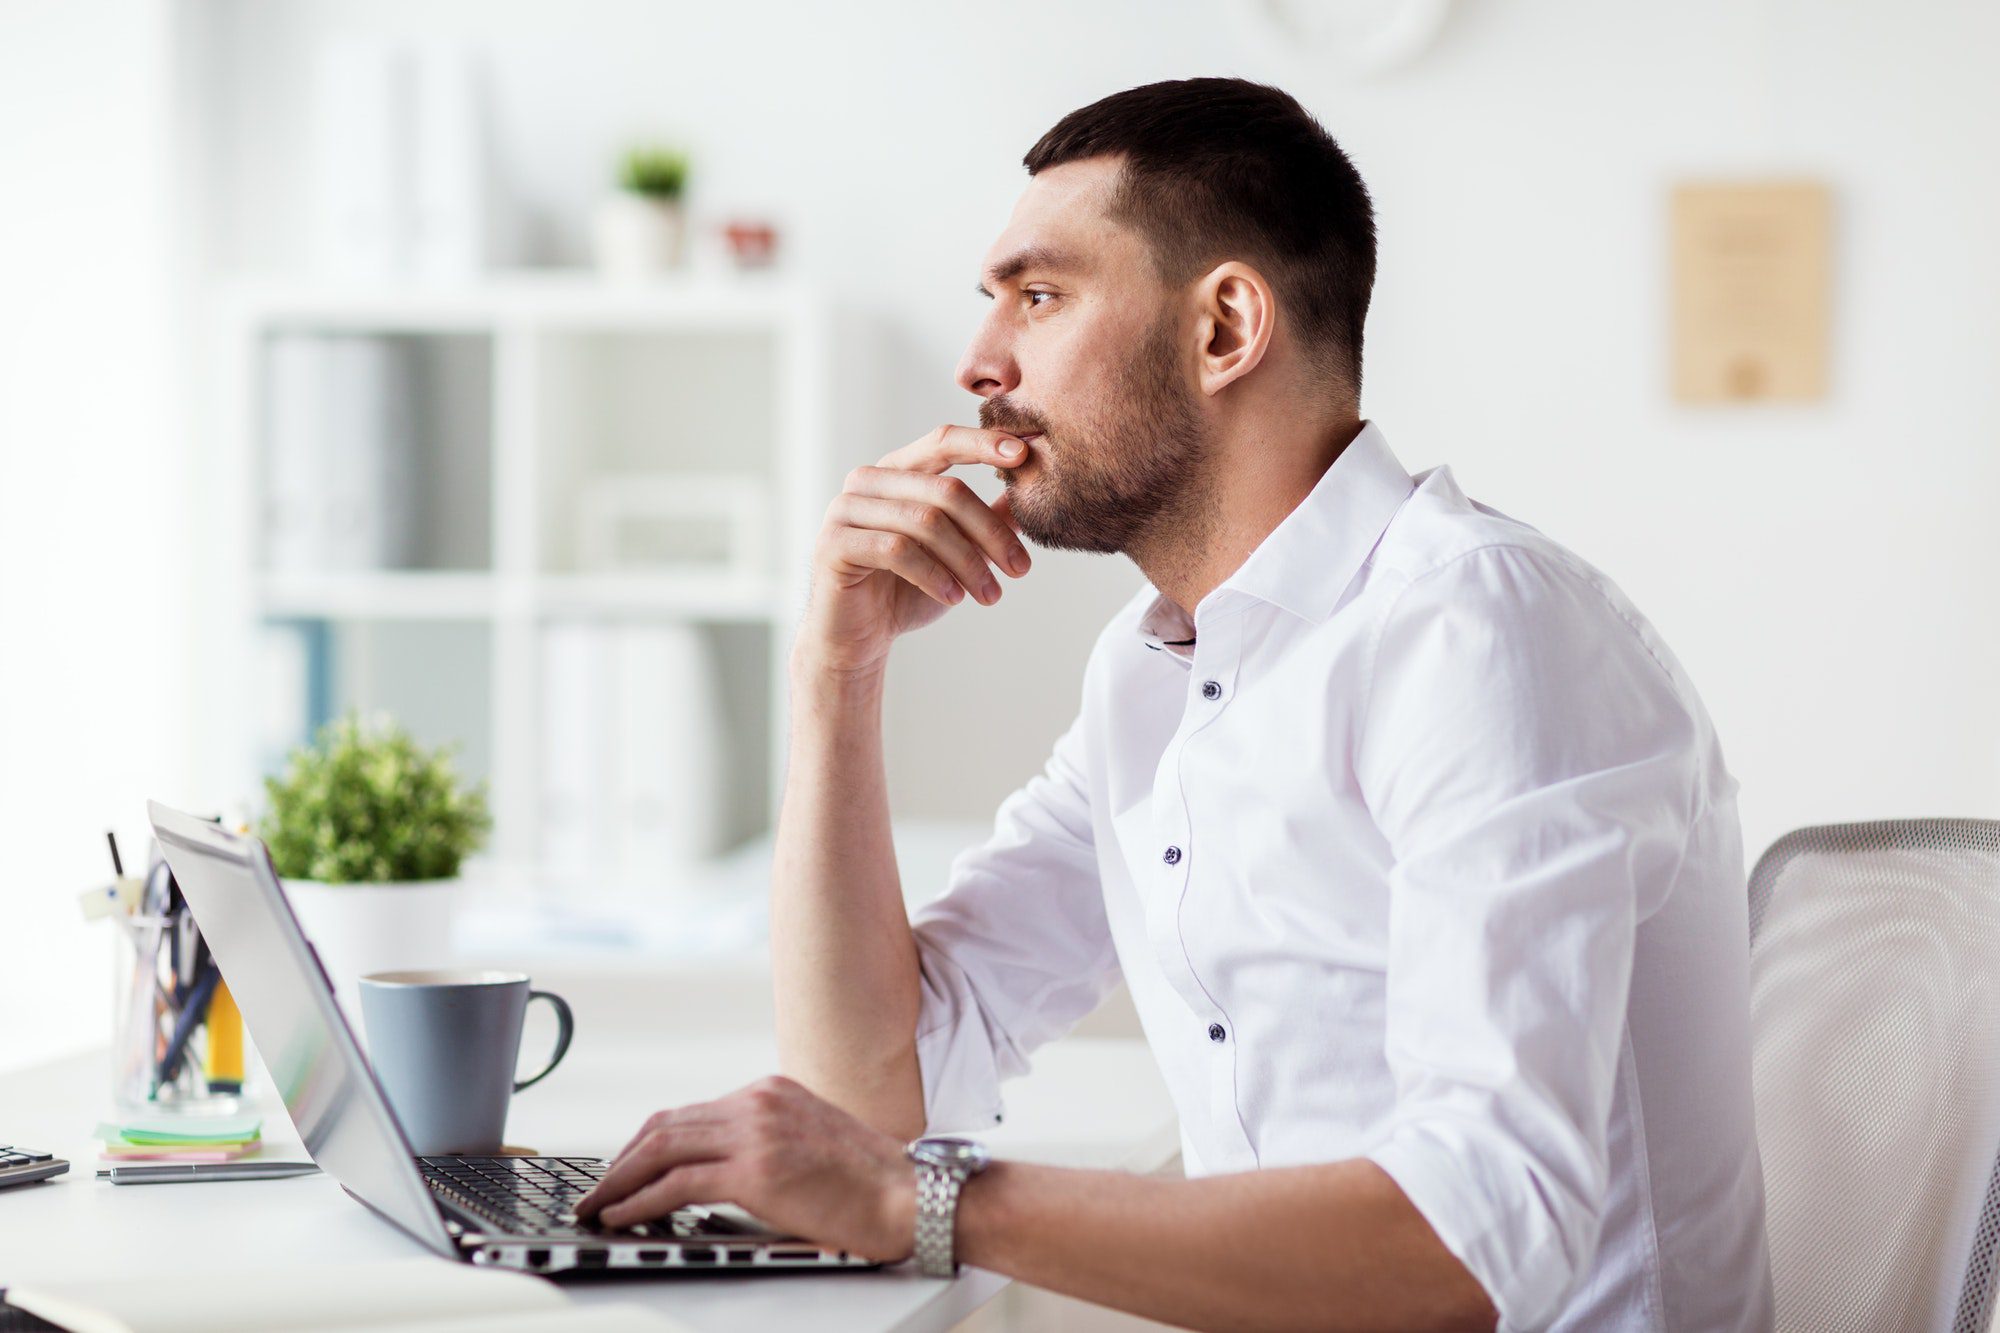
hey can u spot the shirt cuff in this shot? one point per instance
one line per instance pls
(961, 1083)
(1509, 1249)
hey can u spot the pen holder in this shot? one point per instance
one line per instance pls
(172, 1040)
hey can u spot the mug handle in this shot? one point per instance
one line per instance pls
(565, 1029)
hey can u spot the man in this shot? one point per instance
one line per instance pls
(1408, 834)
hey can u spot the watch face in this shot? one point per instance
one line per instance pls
(970, 1154)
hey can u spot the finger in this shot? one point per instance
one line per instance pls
(930, 527)
(679, 1119)
(948, 446)
(905, 557)
(972, 514)
(651, 1123)
(1003, 509)
(704, 1182)
(692, 1112)
(659, 1151)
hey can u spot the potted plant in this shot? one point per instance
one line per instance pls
(368, 830)
(641, 227)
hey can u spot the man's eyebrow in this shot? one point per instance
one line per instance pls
(1033, 256)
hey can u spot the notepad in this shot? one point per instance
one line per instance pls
(396, 1296)
(185, 1140)
(183, 1156)
(163, 1130)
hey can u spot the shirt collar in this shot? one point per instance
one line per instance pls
(1306, 562)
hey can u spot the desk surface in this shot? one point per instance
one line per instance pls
(1093, 1103)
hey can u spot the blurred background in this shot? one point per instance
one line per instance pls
(490, 364)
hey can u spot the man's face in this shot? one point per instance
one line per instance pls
(1083, 356)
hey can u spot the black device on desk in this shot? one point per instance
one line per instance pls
(19, 1166)
(20, 1321)
(509, 1212)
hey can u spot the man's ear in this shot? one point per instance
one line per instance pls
(1236, 313)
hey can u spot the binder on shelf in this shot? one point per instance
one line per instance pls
(402, 181)
(451, 214)
(361, 93)
(672, 778)
(576, 823)
(294, 675)
(339, 442)
(636, 775)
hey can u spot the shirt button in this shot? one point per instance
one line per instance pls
(1215, 1032)
(1172, 856)
(1211, 689)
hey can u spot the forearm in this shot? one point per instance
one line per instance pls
(843, 958)
(1323, 1247)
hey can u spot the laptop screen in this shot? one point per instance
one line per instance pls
(329, 1091)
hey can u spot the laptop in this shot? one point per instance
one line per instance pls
(504, 1212)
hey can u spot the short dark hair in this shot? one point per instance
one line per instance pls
(1216, 169)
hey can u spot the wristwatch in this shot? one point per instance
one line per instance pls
(943, 1167)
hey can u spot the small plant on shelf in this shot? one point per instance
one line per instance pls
(641, 229)
(657, 173)
(367, 804)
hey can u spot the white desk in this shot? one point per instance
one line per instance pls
(1089, 1102)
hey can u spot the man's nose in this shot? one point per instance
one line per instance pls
(986, 369)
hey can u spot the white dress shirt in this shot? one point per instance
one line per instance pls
(1422, 851)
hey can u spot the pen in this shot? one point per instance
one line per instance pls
(194, 1008)
(155, 904)
(186, 1174)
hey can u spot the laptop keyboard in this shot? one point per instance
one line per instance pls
(535, 1196)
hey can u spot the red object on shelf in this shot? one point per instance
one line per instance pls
(752, 244)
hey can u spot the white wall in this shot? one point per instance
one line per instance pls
(1821, 570)
(94, 654)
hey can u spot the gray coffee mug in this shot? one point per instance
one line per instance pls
(444, 1043)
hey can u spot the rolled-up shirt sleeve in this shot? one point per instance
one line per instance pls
(1017, 950)
(1528, 758)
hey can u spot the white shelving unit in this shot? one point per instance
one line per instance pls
(567, 378)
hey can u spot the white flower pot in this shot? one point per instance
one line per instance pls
(639, 237)
(357, 929)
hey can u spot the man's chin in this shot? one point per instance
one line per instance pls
(1025, 503)
(1051, 528)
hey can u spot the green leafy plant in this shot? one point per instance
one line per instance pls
(369, 805)
(657, 173)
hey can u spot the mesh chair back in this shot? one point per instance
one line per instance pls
(1875, 1004)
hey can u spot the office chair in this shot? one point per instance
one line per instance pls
(1875, 1008)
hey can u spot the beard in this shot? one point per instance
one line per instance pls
(1125, 469)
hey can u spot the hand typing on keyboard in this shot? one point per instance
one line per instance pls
(536, 1196)
(794, 1160)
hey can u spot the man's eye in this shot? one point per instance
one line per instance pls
(1032, 295)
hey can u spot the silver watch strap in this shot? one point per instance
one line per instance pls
(937, 1215)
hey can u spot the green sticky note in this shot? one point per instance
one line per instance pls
(171, 1130)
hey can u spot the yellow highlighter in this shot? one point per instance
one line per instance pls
(224, 1065)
